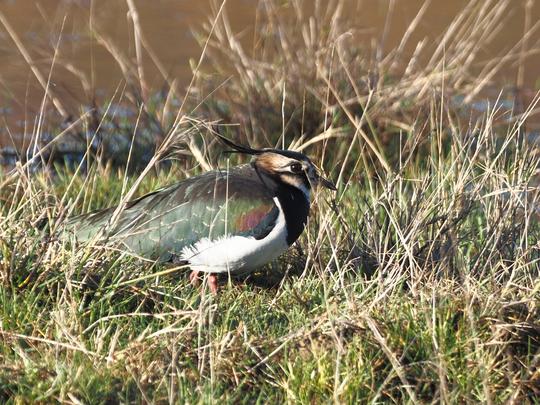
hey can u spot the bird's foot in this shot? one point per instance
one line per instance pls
(195, 281)
(212, 283)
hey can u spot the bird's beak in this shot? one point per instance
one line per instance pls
(327, 183)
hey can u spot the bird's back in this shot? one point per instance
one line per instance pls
(159, 225)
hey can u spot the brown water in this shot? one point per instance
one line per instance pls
(167, 26)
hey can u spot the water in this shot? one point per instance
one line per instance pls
(167, 26)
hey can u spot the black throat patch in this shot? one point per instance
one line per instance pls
(293, 201)
(295, 206)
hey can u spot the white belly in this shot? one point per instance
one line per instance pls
(238, 254)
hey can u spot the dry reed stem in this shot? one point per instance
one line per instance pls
(134, 15)
(29, 60)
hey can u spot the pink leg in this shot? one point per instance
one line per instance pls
(194, 278)
(212, 283)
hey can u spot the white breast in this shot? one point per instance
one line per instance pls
(238, 254)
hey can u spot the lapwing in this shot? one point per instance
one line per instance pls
(224, 221)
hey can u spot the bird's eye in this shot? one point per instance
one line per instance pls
(296, 167)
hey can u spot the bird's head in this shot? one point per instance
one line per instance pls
(292, 168)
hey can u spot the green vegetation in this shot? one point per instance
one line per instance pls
(417, 282)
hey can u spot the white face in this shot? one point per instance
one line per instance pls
(293, 168)
(298, 173)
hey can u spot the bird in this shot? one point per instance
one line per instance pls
(226, 221)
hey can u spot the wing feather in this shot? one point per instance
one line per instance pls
(214, 205)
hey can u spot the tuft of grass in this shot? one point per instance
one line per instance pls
(417, 282)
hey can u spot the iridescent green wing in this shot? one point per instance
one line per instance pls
(215, 205)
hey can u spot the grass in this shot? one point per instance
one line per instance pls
(417, 282)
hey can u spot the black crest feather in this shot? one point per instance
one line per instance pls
(248, 150)
(238, 148)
